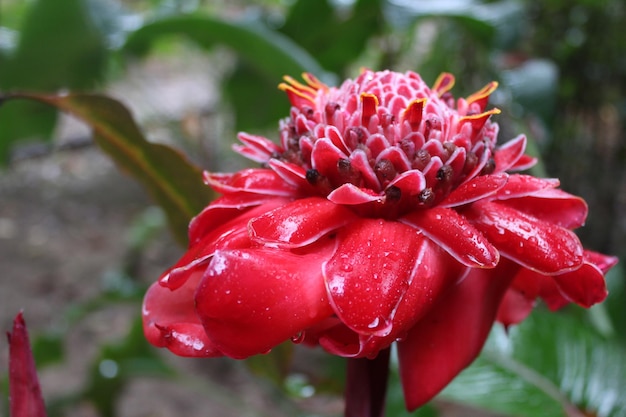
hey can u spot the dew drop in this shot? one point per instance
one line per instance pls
(374, 323)
(298, 337)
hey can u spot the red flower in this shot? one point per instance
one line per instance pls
(384, 215)
(25, 393)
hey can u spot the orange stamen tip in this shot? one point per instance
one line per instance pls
(296, 95)
(483, 115)
(299, 86)
(444, 83)
(313, 81)
(369, 103)
(482, 96)
(413, 112)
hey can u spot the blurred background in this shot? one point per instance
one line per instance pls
(80, 240)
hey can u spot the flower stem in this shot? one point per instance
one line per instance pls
(366, 386)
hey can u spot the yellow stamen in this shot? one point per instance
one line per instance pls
(483, 94)
(297, 84)
(314, 82)
(290, 90)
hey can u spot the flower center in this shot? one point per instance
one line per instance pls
(385, 141)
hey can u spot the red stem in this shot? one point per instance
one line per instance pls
(366, 386)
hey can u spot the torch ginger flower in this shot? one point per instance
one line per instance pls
(386, 214)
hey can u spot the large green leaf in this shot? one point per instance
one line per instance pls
(273, 54)
(174, 182)
(58, 47)
(489, 22)
(550, 365)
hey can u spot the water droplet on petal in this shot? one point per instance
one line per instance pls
(298, 337)
(374, 323)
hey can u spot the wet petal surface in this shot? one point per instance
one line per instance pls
(452, 334)
(540, 246)
(456, 235)
(251, 300)
(299, 223)
(170, 320)
(370, 273)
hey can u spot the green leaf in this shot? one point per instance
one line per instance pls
(336, 41)
(173, 181)
(476, 17)
(273, 54)
(58, 47)
(48, 349)
(257, 104)
(551, 364)
(615, 304)
(24, 121)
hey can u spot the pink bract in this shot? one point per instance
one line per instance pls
(386, 213)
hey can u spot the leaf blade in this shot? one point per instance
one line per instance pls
(172, 180)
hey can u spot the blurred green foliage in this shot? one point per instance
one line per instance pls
(561, 65)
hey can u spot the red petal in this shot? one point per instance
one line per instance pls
(24, 391)
(170, 320)
(520, 185)
(325, 157)
(553, 206)
(532, 285)
(256, 148)
(376, 143)
(257, 181)
(229, 235)
(350, 195)
(515, 307)
(409, 182)
(456, 235)
(252, 300)
(584, 286)
(332, 133)
(604, 262)
(540, 246)
(225, 209)
(508, 154)
(397, 157)
(298, 223)
(371, 272)
(290, 173)
(359, 161)
(475, 189)
(451, 335)
(433, 274)
(523, 163)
